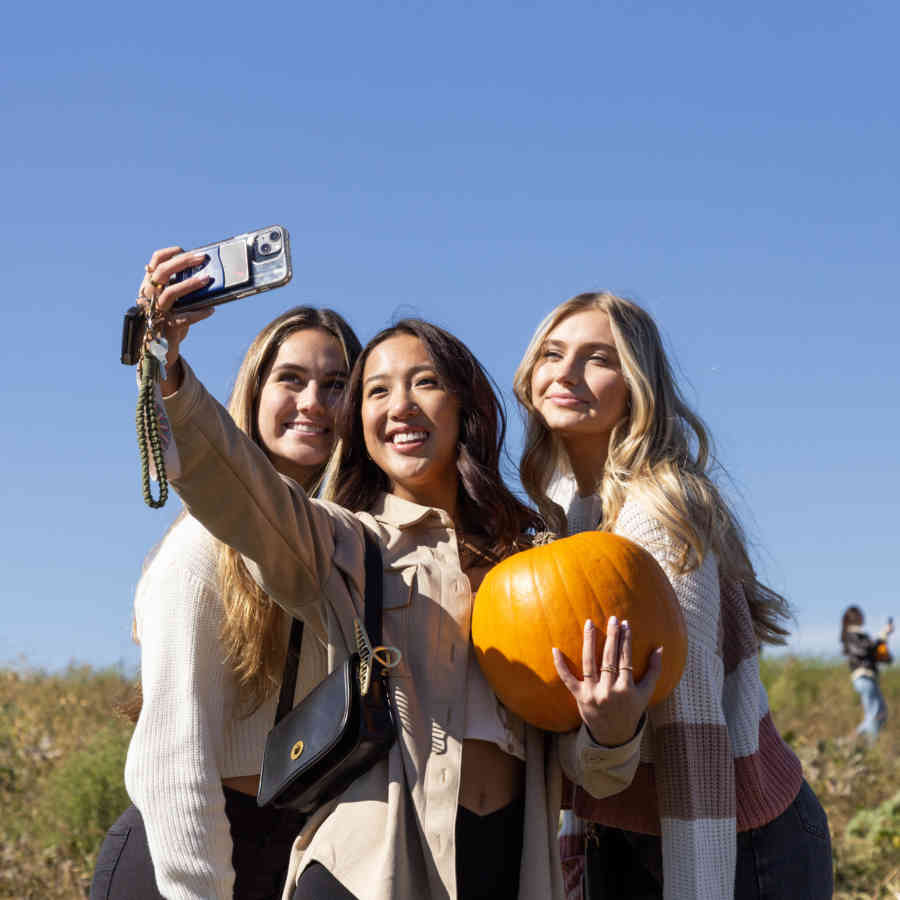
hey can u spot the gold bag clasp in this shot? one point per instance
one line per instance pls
(296, 750)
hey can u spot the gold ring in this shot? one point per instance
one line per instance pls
(612, 669)
(159, 285)
(626, 668)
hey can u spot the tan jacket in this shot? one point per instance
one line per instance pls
(390, 835)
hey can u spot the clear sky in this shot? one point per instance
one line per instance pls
(734, 168)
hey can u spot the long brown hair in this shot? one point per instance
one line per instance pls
(851, 619)
(253, 630)
(254, 627)
(660, 451)
(487, 509)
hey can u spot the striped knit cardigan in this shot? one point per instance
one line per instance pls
(712, 762)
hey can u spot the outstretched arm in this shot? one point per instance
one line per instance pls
(229, 484)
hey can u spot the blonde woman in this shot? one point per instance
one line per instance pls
(213, 649)
(719, 807)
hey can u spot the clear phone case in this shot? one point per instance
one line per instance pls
(241, 265)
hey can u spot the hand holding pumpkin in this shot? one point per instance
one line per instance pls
(539, 599)
(609, 700)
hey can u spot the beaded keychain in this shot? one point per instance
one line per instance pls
(152, 370)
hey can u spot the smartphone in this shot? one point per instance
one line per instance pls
(242, 265)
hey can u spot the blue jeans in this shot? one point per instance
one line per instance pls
(787, 859)
(874, 707)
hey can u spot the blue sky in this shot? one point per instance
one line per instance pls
(733, 169)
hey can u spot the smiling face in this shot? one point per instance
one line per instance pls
(295, 415)
(577, 385)
(411, 422)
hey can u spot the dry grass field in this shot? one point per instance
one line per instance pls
(62, 750)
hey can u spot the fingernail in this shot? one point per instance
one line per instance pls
(588, 625)
(554, 651)
(613, 620)
(625, 623)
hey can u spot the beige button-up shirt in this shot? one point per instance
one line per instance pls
(390, 835)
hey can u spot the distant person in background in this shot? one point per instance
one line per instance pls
(865, 654)
(719, 808)
(213, 649)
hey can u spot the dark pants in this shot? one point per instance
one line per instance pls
(787, 859)
(489, 852)
(261, 840)
(488, 857)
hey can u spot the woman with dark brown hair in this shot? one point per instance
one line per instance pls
(466, 804)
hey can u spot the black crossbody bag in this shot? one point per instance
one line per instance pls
(344, 725)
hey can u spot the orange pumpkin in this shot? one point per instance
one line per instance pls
(540, 598)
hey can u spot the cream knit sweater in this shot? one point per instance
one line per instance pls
(190, 734)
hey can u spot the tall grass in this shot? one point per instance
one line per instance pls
(62, 752)
(817, 711)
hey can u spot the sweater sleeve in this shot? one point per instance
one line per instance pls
(694, 765)
(173, 768)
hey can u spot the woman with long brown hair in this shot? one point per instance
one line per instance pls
(718, 808)
(466, 803)
(213, 647)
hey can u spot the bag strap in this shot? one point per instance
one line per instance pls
(374, 590)
(373, 601)
(291, 665)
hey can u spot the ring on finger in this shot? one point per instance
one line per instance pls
(159, 285)
(626, 668)
(612, 669)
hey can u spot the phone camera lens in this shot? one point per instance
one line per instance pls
(274, 236)
(265, 248)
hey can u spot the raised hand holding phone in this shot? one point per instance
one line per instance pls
(208, 276)
(163, 266)
(178, 289)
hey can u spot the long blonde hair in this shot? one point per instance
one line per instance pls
(254, 627)
(659, 451)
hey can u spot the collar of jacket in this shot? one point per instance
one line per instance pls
(393, 510)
